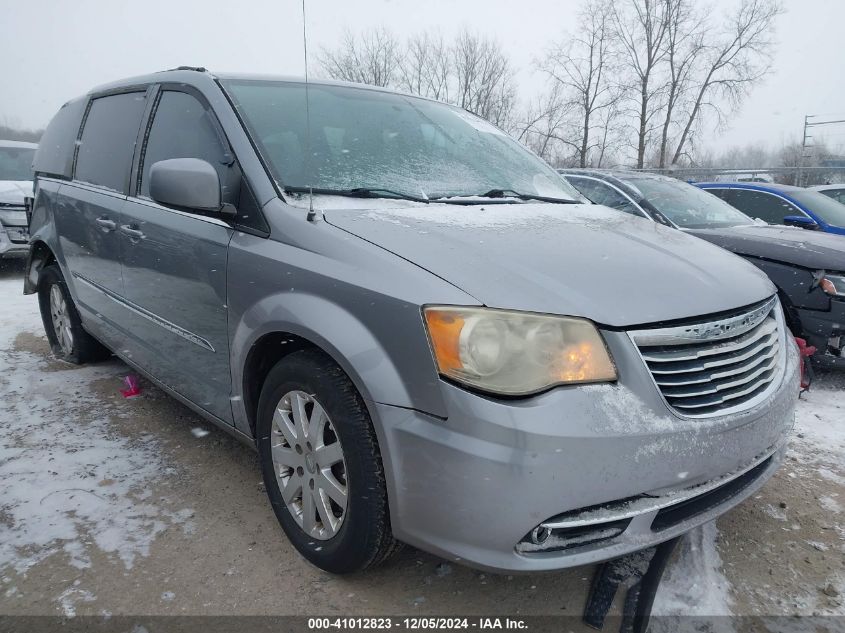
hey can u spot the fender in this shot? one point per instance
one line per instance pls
(340, 334)
(354, 300)
(795, 282)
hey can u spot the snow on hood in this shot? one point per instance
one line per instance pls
(14, 191)
(579, 260)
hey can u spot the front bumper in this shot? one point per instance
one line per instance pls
(474, 487)
(14, 241)
(821, 328)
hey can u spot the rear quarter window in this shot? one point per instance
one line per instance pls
(108, 140)
(54, 156)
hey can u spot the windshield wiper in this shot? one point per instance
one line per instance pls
(502, 194)
(360, 192)
(510, 193)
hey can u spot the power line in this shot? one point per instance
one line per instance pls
(827, 114)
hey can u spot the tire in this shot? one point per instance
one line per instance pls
(353, 538)
(70, 342)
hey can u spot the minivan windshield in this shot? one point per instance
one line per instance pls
(16, 163)
(687, 206)
(387, 144)
(826, 208)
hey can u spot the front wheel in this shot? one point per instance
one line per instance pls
(321, 465)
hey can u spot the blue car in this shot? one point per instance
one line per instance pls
(782, 204)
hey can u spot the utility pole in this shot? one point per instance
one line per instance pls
(805, 145)
(799, 178)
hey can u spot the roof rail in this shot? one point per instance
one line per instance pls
(198, 69)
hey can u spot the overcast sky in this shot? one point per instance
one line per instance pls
(52, 50)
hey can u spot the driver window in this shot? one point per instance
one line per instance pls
(182, 128)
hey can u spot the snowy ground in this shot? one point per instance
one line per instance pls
(114, 506)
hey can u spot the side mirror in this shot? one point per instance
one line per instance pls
(801, 221)
(187, 183)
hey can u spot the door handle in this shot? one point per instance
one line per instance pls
(108, 225)
(132, 232)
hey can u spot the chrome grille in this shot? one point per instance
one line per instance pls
(716, 367)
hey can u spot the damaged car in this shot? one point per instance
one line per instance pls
(15, 186)
(808, 267)
(426, 333)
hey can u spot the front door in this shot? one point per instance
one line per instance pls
(174, 265)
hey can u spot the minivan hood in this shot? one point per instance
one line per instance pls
(14, 191)
(578, 260)
(790, 245)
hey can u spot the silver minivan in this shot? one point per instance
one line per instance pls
(423, 331)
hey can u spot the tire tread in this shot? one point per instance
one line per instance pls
(379, 543)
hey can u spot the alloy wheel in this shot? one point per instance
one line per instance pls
(61, 320)
(309, 464)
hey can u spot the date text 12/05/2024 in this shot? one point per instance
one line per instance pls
(417, 623)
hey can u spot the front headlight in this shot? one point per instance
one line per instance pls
(515, 353)
(833, 285)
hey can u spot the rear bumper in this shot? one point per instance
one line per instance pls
(474, 487)
(818, 328)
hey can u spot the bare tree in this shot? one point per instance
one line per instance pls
(583, 69)
(734, 64)
(473, 72)
(10, 129)
(641, 26)
(484, 79)
(375, 58)
(658, 64)
(545, 128)
(745, 156)
(608, 137)
(684, 43)
(425, 67)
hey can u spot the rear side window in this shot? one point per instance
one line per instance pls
(108, 140)
(762, 205)
(56, 147)
(183, 128)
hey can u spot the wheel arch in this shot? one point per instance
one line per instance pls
(263, 355)
(293, 322)
(40, 255)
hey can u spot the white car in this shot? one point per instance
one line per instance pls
(15, 185)
(837, 192)
(743, 177)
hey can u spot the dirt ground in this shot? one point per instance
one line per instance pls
(167, 516)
